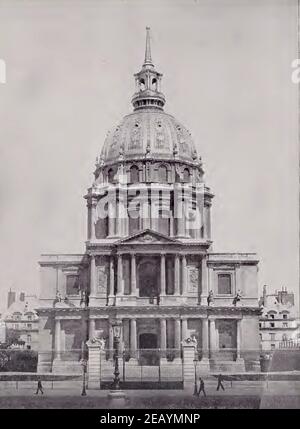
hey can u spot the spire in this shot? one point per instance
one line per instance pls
(148, 59)
(147, 92)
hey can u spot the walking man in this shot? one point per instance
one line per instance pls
(202, 387)
(220, 384)
(39, 387)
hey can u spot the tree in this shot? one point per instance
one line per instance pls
(12, 336)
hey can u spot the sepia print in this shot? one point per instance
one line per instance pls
(154, 265)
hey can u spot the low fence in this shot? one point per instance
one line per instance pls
(143, 365)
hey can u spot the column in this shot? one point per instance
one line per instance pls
(162, 274)
(176, 275)
(177, 339)
(92, 324)
(163, 337)
(133, 342)
(238, 339)
(180, 212)
(111, 276)
(212, 337)
(110, 341)
(92, 206)
(120, 276)
(111, 220)
(205, 350)
(146, 213)
(203, 294)
(184, 275)
(133, 274)
(57, 339)
(93, 276)
(184, 327)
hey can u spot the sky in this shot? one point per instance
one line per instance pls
(226, 68)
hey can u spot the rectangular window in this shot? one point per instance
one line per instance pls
(29, 325)
(285, 325)
(224, 284)
(28, 338)
(272, 346)
(272, 325)
(285, 316)
(272, 336)
(72, 285)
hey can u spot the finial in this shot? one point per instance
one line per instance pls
(148, 59)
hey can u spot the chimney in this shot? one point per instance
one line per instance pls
(22, 296)
(11, 297)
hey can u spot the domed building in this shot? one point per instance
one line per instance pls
(149, 263)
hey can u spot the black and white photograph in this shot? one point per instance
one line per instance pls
(149, 194)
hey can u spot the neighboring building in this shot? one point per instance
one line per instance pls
(2, 330)
(278, 322)
(21, 318)
(145, 264)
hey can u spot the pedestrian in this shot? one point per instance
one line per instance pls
(202, 387)
(220, 384)
(39, 387)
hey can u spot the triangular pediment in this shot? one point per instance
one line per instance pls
(148, 236)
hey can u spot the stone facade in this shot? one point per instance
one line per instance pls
(149, 263)
(278, 325)
(21, 317)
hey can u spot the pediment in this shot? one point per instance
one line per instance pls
(148, 237)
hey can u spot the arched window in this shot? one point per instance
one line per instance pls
(110, 175)
(186, 175)
(134, 174)
(154, 84)
(162, 174)
(142, 84)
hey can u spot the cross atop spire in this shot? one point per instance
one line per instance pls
(148, 59)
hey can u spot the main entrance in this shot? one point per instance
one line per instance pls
(148, 278)
(148, 349)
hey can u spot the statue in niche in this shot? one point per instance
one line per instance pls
(210, 298)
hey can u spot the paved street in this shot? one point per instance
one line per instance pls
(279, 394)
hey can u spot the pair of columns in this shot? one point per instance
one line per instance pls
(120, 283)
(213, 342)
(177, 277)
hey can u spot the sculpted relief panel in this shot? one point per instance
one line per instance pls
(193, 279)
(102, 279)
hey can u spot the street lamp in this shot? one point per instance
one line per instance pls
(84, 367)
(116, 392)
(195, 379)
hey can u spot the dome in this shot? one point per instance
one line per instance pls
(149, 133)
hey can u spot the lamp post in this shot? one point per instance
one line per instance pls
(116, 392)
(84, 367)
(195, 378)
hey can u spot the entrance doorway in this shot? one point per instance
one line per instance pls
(148, 278)
(148, 349)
